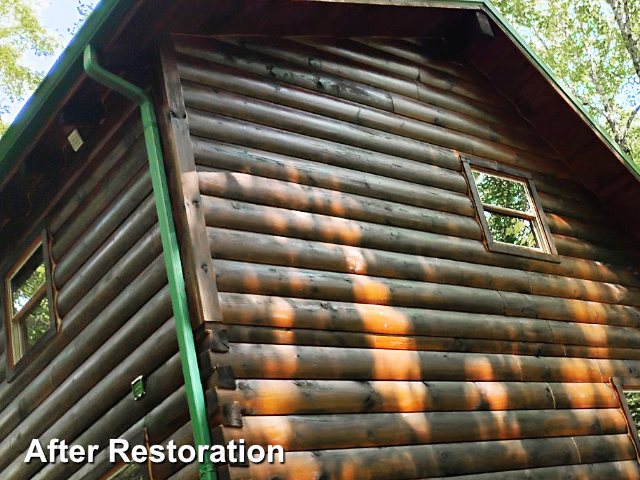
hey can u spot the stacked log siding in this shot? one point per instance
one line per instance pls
(368, 329)
(115, 322)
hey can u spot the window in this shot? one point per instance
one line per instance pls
(28, 302)
(508, 210)
(628, 393)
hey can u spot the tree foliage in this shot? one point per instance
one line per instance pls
(20, 31)
(592, 46)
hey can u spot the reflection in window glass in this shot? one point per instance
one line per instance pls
(27, 281)
(502, 192)
(131, 471)
(513, 230)
(633, 400)
(38, 322)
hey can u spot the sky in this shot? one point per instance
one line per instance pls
(58, 16)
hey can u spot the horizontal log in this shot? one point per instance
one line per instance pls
(339, 317)
(260, 190)
(191, 472)
(401, 116)
(329, 363)
(103, 194)
(86, 275)
(158, 424)
(52, 393)
(101, 228)
(239, 215)
(359, 55)
(327, 432)
(574, 247)
(299, 397)
(409, 462)
(156, 350)
(208, 101)
(417, 89)
(76, 291)
(113, 148)
(415, 52)
(359, 175)
(269, 335)
(625, 470)
(584, 230)
(275, 250)
(116, 298)
(252, 278)
(159, 385)
(304, 74)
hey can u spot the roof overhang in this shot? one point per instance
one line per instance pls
(126, 28)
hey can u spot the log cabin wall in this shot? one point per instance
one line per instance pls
(115, 321)
(367, 328)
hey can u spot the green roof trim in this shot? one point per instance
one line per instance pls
(66, 71)
(108, 15)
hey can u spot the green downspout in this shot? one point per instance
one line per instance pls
(195, 393)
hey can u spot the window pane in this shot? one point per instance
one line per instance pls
(516, 231)
(26, 282)
(633, 400)
(38, 322)
(502, 192)
(131, 471)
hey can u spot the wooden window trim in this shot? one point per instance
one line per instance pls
(25, 251)
(619, 384)
(538, 219)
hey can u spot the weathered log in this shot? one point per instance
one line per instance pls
(317, 126)
(116, 298)
(158, 424)
(388, 181)
(401, 48)
(191, 472)
(199, 272)
(147, 357)
(41, 401)
(140, 254)
(275, 250)
(325, 363)
(251, 278)
(286, 397)
(338, 317)
(120, 138)
(327, 432)
(267, 335)
(574, 247)
(245, 216)
(408, 462)
(350, 175)
(109, 188)
(377, 86)
(86, 276)
(382, 61)
(253, 189)
(319, 60)
(584, 230)
(421, 119)
(103, 226)
(184, 436)
(159, 385)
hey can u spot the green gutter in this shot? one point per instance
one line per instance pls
(98, 28)
(189, 359)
